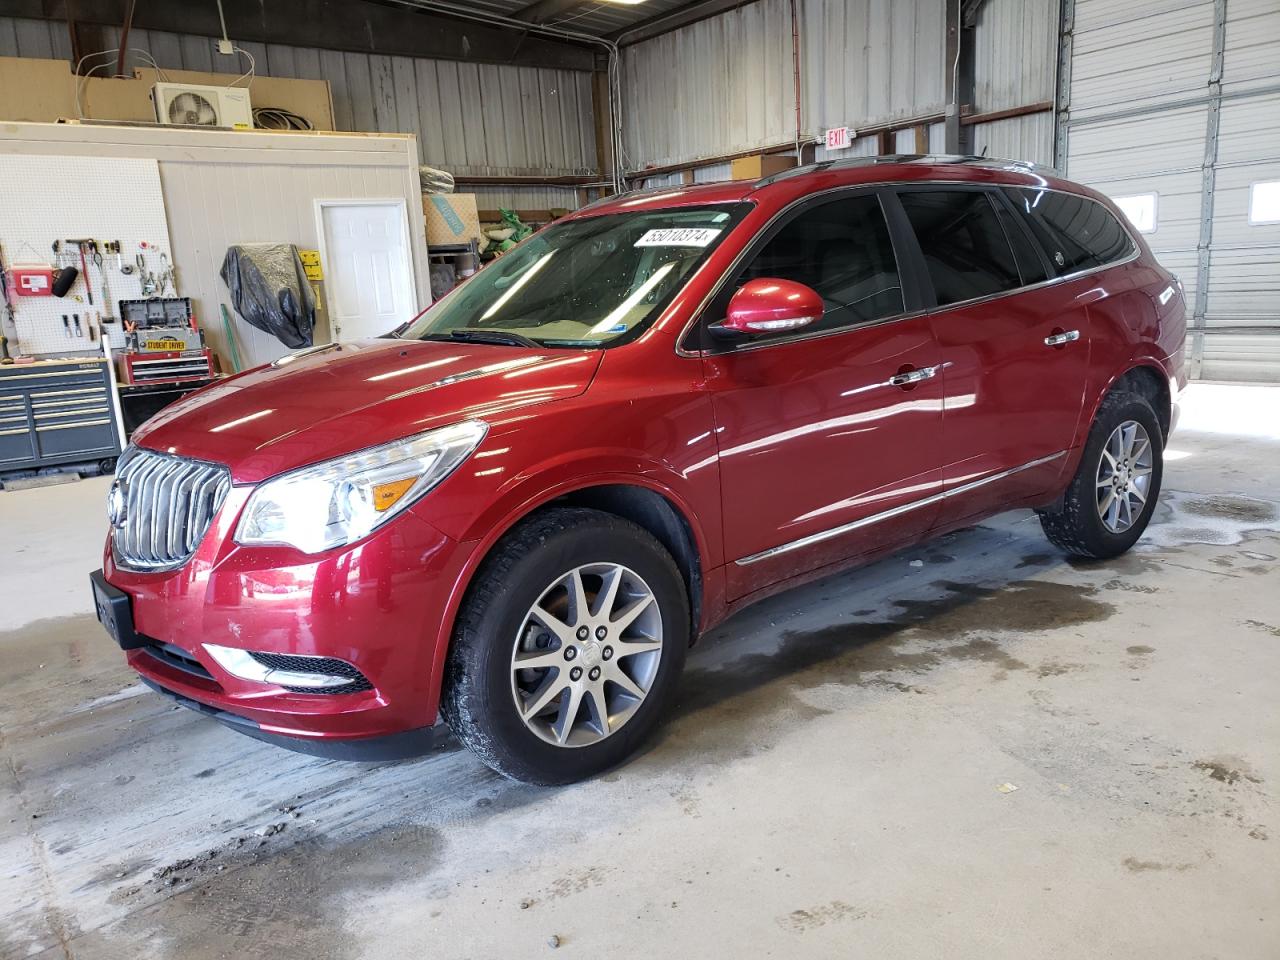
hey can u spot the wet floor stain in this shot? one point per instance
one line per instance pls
(1054, 668)
(1038, 560)
(1129, 586)
(1239, 509)
(810, 918)
(288, 892)
(965, 623)
(1264, 627)
(1228, 770)
(1140, 650)
(1134, 865)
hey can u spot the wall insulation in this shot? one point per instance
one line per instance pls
(1180, 98)
(477, 119)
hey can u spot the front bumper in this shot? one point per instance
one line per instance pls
(393, 746)
(377, 605)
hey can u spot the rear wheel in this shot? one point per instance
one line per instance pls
(1110, 500)
(567, 647)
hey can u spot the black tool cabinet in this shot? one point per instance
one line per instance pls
(56, 412)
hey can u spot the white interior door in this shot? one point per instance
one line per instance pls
(368, 266)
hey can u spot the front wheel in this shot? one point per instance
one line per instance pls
(567, 647)
(1113, 494)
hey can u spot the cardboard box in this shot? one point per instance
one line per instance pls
(44, 91)
(452, 218)
(760, 165)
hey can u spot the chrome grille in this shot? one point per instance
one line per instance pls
(160, 508)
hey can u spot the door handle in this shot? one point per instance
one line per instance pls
(914, 376)
(1060, 339)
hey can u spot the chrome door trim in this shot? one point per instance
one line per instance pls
(1061, 339)
(918, 375)
(897, 511)
(696, 315)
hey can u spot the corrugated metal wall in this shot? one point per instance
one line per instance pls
(718, 86)
(869, 61)
(1145, 116)
(1015, 55)
(863, 62)
(725, 85)
(477, 119)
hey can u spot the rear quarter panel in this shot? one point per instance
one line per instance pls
(1137, 319)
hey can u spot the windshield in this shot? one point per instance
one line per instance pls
(582, 283)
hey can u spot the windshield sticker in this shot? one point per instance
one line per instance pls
(679, 237)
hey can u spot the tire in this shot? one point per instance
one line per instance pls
(1077, 523)
(486, 696)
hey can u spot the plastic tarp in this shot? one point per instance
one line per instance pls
(270, 290)
(434, 180)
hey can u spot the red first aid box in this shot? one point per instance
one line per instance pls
(32, 281)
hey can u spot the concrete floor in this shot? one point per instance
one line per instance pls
(836, 782)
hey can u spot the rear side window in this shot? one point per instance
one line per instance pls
(964, 244)
(1076, 232)
(843, 251)
(1030, 263)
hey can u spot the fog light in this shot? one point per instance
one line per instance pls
(242, 664)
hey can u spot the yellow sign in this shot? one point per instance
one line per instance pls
(311, 264)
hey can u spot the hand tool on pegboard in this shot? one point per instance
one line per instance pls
(66, 326)
(82, 246)
(6, 295)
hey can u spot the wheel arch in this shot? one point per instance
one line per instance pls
(657, 510)
(661, 517)
(1148, 379)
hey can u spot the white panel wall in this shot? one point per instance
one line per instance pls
(1138, 53)
(1142, 120)
(223, 188)
(1244, 262)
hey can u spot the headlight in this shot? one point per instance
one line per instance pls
(339, 501)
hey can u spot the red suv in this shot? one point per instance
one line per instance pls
(518, 511)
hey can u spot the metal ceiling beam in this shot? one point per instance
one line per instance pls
(351, 25)
(543, 10)
(674, 20)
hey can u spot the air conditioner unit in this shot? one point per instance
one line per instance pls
(199, 106)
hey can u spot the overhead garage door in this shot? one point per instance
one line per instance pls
(1172, 108)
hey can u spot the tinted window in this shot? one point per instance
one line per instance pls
(1076, 232)
(1030, 263)
(842, 250)
(964, 245)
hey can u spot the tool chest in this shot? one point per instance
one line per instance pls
(56, 413)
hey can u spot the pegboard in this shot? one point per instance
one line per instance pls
(62, 198)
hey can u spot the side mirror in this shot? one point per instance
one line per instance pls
(770, 305)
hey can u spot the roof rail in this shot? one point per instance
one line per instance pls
(853, 163)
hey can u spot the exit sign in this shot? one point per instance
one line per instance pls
(839, 138)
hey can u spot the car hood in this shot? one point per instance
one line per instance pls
(338, 399)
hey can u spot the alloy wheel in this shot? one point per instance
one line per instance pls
(1124, 476)
(586, 654)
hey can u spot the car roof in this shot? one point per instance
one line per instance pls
(899, 168)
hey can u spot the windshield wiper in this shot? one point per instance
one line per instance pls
(501, 337)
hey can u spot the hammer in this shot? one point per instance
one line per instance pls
(84, 270)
